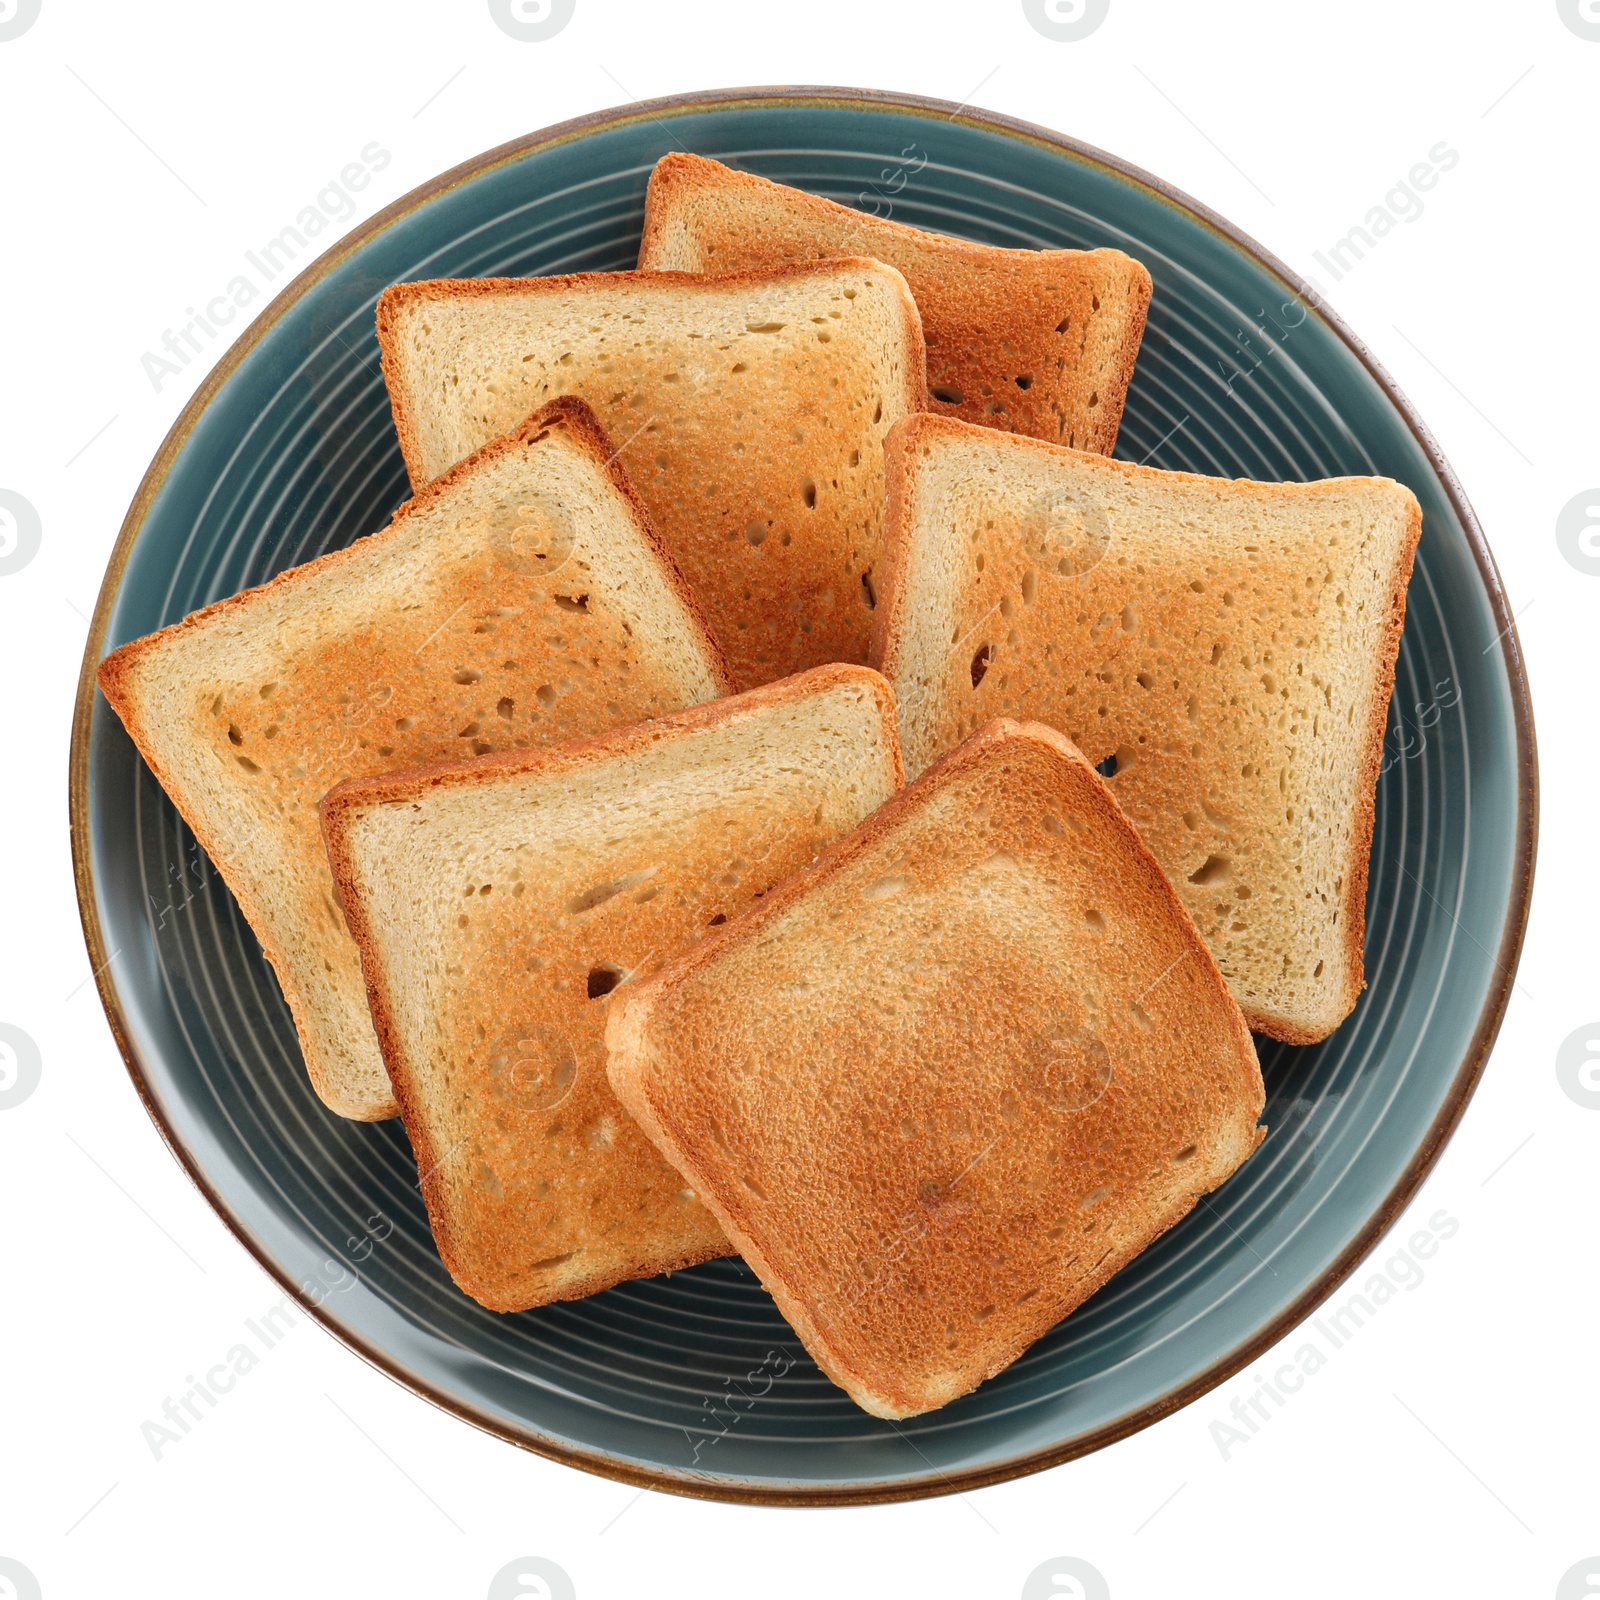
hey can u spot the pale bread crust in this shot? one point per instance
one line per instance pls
(481, 1250)
(989, 314)
(127, 679)
(902, 454)
(739, 590)
(890, 1368)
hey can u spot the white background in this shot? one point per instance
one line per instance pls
(1447, 1449)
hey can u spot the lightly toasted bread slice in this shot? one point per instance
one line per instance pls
(1223, 649)
(503, 905)
(523, 598)
(1040, 342)
(940, 1086)
(750, 411)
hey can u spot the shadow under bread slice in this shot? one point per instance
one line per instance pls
(942, 1085)
(503, 906)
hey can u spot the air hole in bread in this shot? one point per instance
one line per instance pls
(1188, 1153)
(1093, 1198)
(1094, 400)
(1052, 825)
(751, 1184)
(267, 690)
(980, 663)
(756, 532)
(1210, 870)
(644, 896)
(1144, 680)
(808, 493)
(467, 675)
(481, 747)
(1108, 767)
(739, 366)
(1030, 586)
(763, 327)
(545, 695)
(1317, 970)
(507, 707)
(234, 736)
(1022, 1300)
(554, 1261)
(603, 979)
(573, 602)
(403, 724)
(248, 765)
(718, 920)
(1095, 920)
(867, 591)
(983, 1314)
(946, 392)
(1063, 324)
(468, 731)
(1025, 380)
(601, 892)
(855, 458)
(877, 415)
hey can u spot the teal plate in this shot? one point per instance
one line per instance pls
(694, 1383)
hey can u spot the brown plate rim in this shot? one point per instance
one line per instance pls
(733, 1488)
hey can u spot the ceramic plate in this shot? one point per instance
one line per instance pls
(695, 1383)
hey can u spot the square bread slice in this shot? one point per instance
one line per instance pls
(750, 411)
(502, 906)
(1223, 650)
(523, 598)
(1040, 342)
(942, 1085)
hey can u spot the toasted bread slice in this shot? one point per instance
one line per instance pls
(524, 598)
(1040, 342)
(942, 1085)
(1224, 649)
(502, 905)
(750, 411)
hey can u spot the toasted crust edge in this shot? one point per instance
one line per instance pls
(679, 171)
(399, 298)
(627, 1024)
(348, 799)
(118, 671)
(900, 446)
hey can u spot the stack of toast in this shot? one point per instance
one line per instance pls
(571, 808)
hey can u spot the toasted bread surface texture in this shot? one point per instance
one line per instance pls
(750, 411)
(942, 1085)
(523, 598)
(1224, 649)
(502, 906)
(1040, 342)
